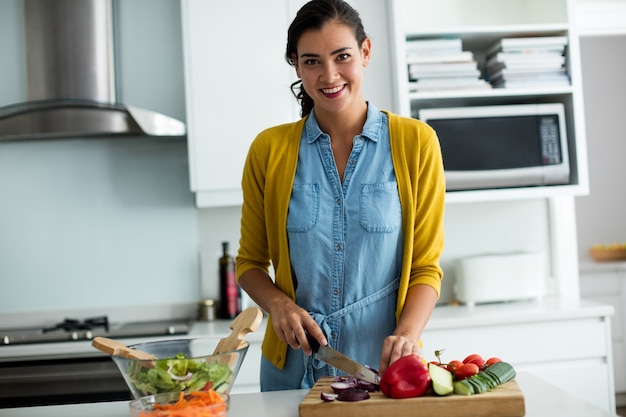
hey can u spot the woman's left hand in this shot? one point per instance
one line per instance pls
(395, 347)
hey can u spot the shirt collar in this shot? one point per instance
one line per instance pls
(371, 128)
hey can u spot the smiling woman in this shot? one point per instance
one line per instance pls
(337, 212)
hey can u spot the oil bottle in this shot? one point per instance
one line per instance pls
(230, 293)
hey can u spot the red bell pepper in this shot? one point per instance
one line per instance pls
(407, 377)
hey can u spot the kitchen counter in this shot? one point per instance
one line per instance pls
(554, 322)
(541, 398)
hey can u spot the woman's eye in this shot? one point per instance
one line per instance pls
(311, 61)
(343, 57)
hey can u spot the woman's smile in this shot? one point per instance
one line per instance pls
(333, 91)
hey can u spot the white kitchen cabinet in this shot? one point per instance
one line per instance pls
(600, 17)
(248, 378)
(565, 342)
(606, 283)
(237, 83)
(479, 24)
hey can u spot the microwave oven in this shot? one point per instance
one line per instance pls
(502, 146)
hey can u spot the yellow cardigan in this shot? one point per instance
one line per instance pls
(267, 182)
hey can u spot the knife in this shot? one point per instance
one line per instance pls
(342, 362)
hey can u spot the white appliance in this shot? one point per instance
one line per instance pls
(500, 277)
(502, 146)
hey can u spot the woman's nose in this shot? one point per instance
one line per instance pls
(329, 73)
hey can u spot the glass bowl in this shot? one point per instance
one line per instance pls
(145, 406)
(181, 365)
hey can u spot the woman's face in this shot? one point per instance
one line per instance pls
(330, 64)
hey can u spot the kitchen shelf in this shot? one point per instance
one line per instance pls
(479, 24)
(493, 93)
(508, 194)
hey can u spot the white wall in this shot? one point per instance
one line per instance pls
(78, 213)
(100, 222)
(600, 215)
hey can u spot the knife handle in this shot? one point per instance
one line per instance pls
(315, 345)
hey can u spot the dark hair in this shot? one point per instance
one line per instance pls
(313, 15)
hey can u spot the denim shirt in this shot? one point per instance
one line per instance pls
(345, 241)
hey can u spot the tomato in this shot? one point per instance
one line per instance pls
(407, 377)
(466, 370)
(453, 365)
(475, 359)
(491, 361)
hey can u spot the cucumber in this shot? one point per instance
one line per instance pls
(441, 379)
(494, 375)
(501, 371)
(463, 389)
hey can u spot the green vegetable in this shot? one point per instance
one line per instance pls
(491, 377)
(441, 379)
(180, 374)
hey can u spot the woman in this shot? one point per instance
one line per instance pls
(347, 206)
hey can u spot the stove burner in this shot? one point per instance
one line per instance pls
(70, 325)
(71, 329)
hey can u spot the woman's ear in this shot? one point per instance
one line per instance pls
(366, 51)
(294, 59)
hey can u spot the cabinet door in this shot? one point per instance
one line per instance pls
(607, 285)
(237, 83)
(248, 379)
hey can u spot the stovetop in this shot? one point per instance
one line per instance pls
(86, 329)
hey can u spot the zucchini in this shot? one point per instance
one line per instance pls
(494, 375)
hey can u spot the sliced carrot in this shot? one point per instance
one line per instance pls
(188, 404)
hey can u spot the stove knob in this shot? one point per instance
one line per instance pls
(171, 330)
(74, 336)
(88, 335)
(6, 340)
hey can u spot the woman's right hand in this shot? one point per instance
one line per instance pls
(292, 323)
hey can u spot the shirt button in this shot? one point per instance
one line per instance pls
(339, 201)
(336, 291)
(333, 335)
(339, 247)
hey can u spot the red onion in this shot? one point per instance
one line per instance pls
(327, 397)
(341, 386)
(367, 386)
(179, 378)
(353, 394)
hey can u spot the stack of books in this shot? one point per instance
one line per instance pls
(440, 65)
(528, 62)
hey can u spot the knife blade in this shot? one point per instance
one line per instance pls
(342, 362)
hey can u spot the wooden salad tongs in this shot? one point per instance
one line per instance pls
(246, 322)
(115, 348)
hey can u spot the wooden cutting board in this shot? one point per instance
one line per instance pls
(504, 401)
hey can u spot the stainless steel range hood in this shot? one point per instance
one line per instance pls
(71, 78)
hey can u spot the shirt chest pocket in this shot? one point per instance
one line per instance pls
(379, 208)
(303, 208)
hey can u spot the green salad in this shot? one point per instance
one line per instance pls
(180, 374)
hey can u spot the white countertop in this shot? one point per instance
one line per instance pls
(443, 317)
(549, 308)
(604, 266)
(541, 399)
